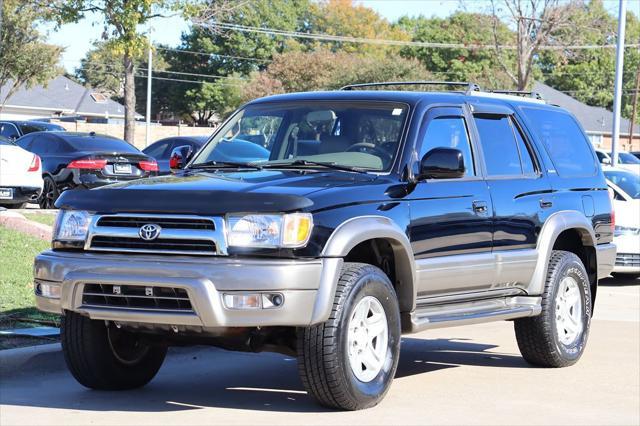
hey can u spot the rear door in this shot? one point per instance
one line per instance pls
(450, 225)
(521, 194)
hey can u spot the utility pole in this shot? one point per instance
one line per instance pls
(617, 94)
(149, 66)
(635, 106)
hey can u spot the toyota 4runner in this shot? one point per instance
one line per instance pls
(367, 214)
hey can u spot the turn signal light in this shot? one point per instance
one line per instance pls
(148, 166)
(87, 164)
(35, 164)
(253, 300)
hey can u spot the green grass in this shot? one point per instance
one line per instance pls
(17, 251)
(47, 219)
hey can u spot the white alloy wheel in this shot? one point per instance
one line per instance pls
(569, 318)
(368, 337)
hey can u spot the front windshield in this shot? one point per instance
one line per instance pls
(627, 181)
(351, 134)
(626, 158)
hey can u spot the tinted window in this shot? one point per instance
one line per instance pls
(526, 156)
(157, 149)
(8, 130)
(567, 145)
(498, 145)
(25, 142)
(91, 143)
(6, 142)
(626, 158)
(42, 145)
(449, 132)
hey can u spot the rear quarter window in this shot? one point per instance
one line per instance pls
(564, 141)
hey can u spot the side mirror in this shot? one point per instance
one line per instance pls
(14, 137)
(606, 161)
(442, 163)
(179, 157)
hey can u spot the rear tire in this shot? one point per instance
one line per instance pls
(107, 358)
(349, 361)
(558, 336)
(49, 194)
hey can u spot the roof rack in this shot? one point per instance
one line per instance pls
(523, 93)
(469, 87)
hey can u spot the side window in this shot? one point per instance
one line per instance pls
(449, 132)
(499, 146)
(8, 130)
(565, 142)
(25, 142)
(157, 150)
(40, 145)
(526, 156)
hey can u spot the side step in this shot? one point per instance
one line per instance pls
(472, 312)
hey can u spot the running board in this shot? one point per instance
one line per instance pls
(426, 317)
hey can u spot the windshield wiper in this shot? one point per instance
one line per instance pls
(301, 162)
(213, 164)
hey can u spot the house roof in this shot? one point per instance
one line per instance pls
(66, 96)
(593, 119)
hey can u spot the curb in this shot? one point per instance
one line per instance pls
(18, 222)
(30, 360)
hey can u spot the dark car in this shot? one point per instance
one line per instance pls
(636, 154)
(377, 213)
(14, 129)
(240, 150)
(84, 160)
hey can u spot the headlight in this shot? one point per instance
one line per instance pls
(625, 230)
(71, 225)
(269, 230)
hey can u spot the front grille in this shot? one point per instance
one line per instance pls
(628, 259)
(176, 234)
(138, 244)
(149, 298)
(164, 222)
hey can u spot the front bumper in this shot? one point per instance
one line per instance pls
(306, 285)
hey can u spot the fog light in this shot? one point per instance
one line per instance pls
(243, 301)
(272, 300)
(51, 291)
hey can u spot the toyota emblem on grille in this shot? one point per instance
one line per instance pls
(149, 231)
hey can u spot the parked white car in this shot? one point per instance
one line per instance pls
(626, 204)
(20, 175)
(626, 160)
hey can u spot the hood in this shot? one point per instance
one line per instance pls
(213, 193)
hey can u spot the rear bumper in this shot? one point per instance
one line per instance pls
(22, 194)
(606, 256)
(306, 286)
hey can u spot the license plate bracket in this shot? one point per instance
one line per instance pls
(122, 168)
(6, 193)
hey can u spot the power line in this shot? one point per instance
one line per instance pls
(349, 39)
(217, 55)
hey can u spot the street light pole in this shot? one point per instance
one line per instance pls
(149, 66)
(617, 94)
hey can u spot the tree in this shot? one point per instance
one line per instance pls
(24, 59)
(471, 63)
(325, 70)
(121, 19)
(535, 22)
(219, 98)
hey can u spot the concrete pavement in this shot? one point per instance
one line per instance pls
(466, 375)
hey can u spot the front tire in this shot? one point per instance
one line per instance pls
(558, 336)
(349, 361)
(106, 358)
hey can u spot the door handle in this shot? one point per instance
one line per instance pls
(480, 207)
(545, 204)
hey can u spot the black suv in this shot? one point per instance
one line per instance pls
(377, 213)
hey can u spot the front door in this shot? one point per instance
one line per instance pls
(451, 227)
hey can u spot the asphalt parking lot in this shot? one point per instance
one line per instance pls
(467, 375)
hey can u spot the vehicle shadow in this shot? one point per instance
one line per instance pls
(202, 377)
(620, 280)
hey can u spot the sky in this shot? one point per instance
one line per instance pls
(78, 38)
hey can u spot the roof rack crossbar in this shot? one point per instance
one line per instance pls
(534, 95)
(470, 87)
